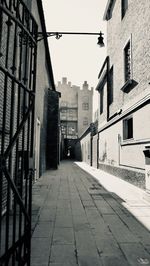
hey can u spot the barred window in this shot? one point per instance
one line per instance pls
(127, 61)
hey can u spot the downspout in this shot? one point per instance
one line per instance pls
(91, 150)
(108, 86)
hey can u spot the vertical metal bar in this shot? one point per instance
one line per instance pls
(34, 88)
(28, 134)
(24, 128)
(1, 175)
(4, 127)
(12, 128)
(17, 142)
(1, 187)
(22, 142)
(32, 133)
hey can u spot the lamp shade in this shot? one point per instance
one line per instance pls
(101, 40)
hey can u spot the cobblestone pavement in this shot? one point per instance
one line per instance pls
(77, 222)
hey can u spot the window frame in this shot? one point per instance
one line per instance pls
(111, 86)
(127, 61)
(124, 7)
(102, 101)
(127, 132)
(85, 106)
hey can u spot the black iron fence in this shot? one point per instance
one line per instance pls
(18, 48)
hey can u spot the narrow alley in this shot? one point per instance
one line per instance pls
(76, 221)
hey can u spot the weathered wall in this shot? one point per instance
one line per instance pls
(85, 95)
(95, 151)
(134, 26)
(43, 82)
(86, 148)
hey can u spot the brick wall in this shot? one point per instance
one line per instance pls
(134, 26)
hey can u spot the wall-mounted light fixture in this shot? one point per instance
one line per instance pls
(58, 35)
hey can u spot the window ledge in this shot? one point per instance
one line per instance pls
(129, 85)
(127, 141)
(145, 142)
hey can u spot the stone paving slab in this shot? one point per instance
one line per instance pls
(63, 254)
(136, 254)
(77, 222)
(63, 236)
(115, 261)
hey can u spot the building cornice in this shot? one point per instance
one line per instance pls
(48, 58)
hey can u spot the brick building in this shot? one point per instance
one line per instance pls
(75, 110)
(124, 110)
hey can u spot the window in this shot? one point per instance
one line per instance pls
(64, 129)
(72, 111)
(111, 86)
(101, 100)
(124, 7)
(71, 130)
(128, 128)
(63, 110)
(63, 103)
(85, 121)
(63, 117)
(85, 106)
(127, 61)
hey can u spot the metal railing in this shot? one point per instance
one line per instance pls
(18, 49)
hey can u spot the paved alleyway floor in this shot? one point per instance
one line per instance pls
(78, 222)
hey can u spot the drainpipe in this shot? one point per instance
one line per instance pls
(98, 151)
(91, 155)
(147, 169)
(108, 86)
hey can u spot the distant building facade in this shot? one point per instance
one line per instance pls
(75, 109)
(124, 98)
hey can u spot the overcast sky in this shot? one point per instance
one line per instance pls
(76, 57)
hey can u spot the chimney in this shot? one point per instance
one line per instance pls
(85, 85)
(64, 80)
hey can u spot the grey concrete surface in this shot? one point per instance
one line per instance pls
(76, 222)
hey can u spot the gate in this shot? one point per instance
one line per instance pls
(18, 49)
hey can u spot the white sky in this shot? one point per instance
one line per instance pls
(76, 57)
